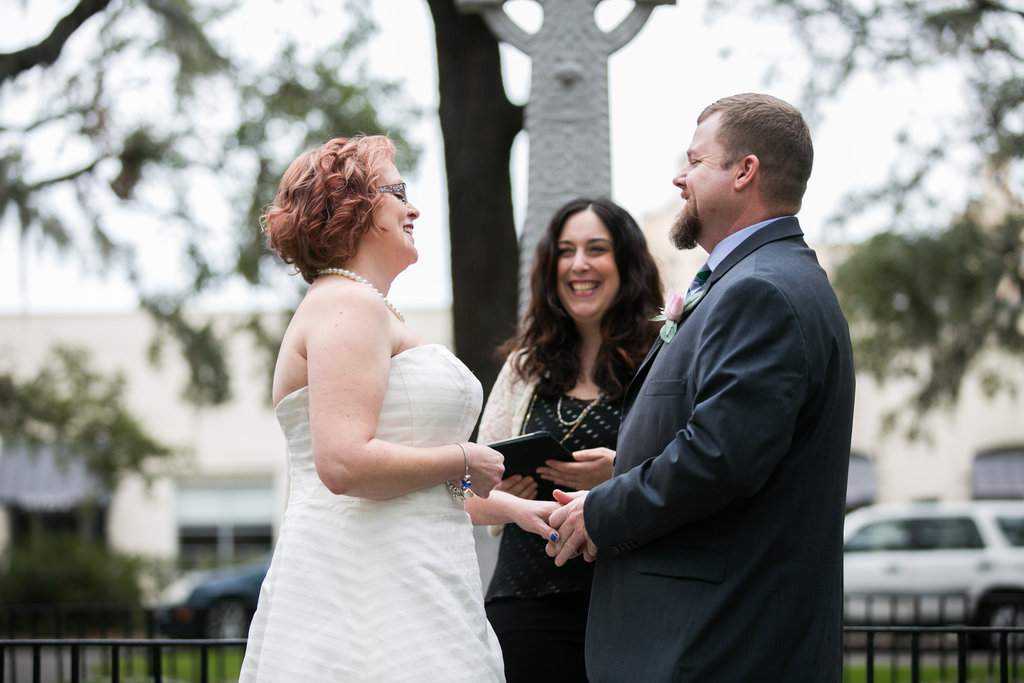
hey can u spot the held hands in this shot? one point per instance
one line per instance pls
(590, 467)
(532, 516)
(486, 466)
(560, 522)
(572, 538)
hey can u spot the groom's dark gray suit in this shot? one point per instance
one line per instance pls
(720, 533)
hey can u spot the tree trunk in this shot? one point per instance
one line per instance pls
(478, 124)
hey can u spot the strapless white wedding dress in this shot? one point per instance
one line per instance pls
(377, 590)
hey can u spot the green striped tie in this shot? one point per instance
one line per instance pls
(696, 290)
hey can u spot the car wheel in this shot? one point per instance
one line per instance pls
(227, 619)
(1003, 615)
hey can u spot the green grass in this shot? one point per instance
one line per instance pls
(177, 666)
(931, 673)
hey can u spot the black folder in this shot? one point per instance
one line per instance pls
(525, 453)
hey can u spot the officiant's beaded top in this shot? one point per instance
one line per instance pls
(525, 571)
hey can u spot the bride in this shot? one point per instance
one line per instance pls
(374, 576)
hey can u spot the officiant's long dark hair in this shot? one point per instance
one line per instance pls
(544, 347)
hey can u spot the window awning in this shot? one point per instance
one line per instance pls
(861, 487)
(36, 481)
(998, 475)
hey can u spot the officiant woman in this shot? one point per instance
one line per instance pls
(593, 289)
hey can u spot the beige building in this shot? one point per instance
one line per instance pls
(225, 494)
(221, 498)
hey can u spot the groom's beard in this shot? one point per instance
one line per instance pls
(686, 228)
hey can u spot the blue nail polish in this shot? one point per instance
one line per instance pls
(554, 537)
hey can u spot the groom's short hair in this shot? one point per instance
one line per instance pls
(775, 132)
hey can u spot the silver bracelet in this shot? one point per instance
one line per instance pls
(461, 491)
(466, 481)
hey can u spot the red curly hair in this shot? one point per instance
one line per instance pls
(326, 202)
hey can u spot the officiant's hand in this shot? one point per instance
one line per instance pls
(589, 467)
(573, 538)
(518, 485)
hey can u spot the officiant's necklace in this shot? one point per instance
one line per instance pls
(359, 278)
(583, 413)
(571, 424)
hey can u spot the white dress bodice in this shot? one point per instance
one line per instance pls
(377, 590)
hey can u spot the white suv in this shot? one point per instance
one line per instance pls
(935, 563)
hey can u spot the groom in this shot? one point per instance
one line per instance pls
(719, 538)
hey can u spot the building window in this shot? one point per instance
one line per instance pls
(87, 522)
(223, 522)
(998, 475)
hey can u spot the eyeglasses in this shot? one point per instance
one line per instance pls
(398, 189)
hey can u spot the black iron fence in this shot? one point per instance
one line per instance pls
(933, 637)
(966, 654)
(96, 660)
(872, 654)
(118, 643)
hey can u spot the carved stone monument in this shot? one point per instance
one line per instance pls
(567, 113)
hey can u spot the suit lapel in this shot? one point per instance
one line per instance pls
(781, 229)
(640, 376)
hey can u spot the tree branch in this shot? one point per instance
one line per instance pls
(47, 51)
(70, 175)
(992, 5)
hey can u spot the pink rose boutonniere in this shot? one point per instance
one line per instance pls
(671, 314)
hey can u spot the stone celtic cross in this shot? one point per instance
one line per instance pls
(566, 116)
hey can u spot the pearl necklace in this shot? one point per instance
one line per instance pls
(359, 278)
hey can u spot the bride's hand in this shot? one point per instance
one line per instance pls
(486, 467)
(532, 516)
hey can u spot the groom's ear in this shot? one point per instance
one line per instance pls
(746, 171)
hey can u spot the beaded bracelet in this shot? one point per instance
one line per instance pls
(462, 491)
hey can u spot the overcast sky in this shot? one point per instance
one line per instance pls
(658, 84)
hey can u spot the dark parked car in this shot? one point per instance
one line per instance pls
(215, 604)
